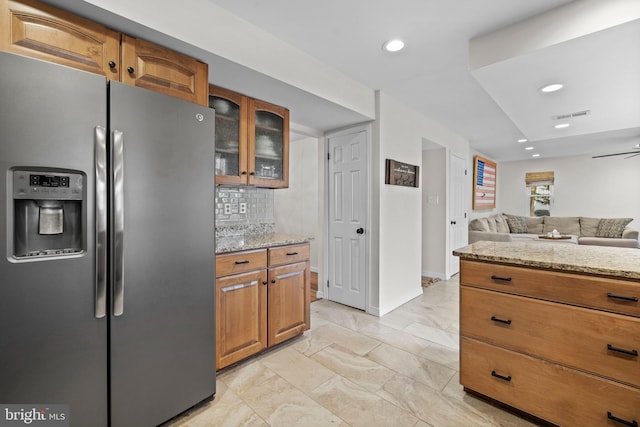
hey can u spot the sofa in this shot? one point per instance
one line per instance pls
(589, 231)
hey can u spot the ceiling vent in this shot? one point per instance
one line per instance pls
(572, 115)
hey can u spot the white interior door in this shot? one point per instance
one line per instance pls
(457, 213)
(348, 234)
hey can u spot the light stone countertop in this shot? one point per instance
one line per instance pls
(614, 262)
(257, 241)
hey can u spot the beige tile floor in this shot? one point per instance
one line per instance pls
(354, 369)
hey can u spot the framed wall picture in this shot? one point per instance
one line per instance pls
(484, 183)
(398, 173)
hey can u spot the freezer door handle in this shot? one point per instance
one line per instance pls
(100, 153)
(118, 222)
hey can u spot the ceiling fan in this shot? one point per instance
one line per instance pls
(632, 153)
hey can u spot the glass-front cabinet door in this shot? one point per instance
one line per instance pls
(268, 145)
(251, 140)
(230, 135)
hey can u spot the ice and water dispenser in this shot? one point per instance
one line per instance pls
(48, 210)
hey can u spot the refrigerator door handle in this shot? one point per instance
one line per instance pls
(118, 222)
(100, 153)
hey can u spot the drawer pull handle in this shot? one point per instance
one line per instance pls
(292, 253)
(246, 261)
(622, 350)
(622, 297)
(502, 377)
(497, 319)
(504, 279)
(632, 423)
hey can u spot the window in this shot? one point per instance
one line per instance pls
(540, 192)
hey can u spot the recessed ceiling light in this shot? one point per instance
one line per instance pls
(528, 148)
(551, 88)
(535, 155)
(562, 125)
(523, 140)
(394, 45)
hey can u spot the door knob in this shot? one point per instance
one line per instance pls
(453, 223)
(360, 230)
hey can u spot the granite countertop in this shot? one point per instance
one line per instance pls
(600, 260)
(257, 241)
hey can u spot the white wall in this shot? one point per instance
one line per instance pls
(434, 212)
(297, 207)
(605, 187)
(396, 217)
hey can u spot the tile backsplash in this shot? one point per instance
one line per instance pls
(242, 210)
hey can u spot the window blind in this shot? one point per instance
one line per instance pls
(538, 178)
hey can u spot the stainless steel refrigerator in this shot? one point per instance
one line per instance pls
(107, 231)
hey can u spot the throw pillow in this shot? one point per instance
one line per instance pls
(612, 227)
(588, 226)
(501, 224)
(517, 224)
(534, 224)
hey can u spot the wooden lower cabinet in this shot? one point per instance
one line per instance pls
(262, 299)
(289, 299)
(241, 316)
(561, 346)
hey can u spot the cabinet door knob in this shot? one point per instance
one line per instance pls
(112, 64)
(360, 230)
(264, 282)
(252, 173)
(131, 70)
(243, 173)
(273, 280)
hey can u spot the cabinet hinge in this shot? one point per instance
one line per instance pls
(328, 156)
(465, 172)
(327, 283)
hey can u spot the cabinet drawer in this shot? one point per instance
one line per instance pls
(617, 296)
(586, 339)
(288, 254)
(239, 262)
(549, 391)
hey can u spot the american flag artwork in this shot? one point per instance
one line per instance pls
(484, 195)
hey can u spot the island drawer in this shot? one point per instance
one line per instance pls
(617, 296)
(240, 262)
(288, 254)
(606, 344)
(552, 392)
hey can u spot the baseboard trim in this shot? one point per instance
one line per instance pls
(435, 275)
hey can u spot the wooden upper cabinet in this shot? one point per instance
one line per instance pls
(163, 70)
(34, 29)
(40, 31)
(252, 140)
(268, 145)
(230, 135)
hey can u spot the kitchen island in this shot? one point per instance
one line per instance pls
(552, 330)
